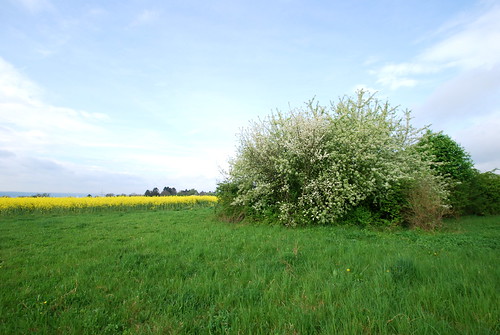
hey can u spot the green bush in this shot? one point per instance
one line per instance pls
(391, 207)
(226, 210)
(452, 162)
(484, 194)
(360, 216)
(424, 206)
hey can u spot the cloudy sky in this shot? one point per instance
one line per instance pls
(123, 96)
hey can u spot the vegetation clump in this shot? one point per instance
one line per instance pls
(471, 192)
(320, 165)
(482, 194)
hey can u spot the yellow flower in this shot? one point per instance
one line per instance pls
(42, 205)
(348, 270)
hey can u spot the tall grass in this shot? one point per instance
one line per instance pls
(183, 272)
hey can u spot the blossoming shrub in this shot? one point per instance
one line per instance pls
(316, 164)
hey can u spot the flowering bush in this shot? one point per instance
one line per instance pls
(314, 165)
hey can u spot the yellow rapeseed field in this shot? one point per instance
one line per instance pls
(47, 204)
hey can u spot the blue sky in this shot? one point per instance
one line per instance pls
(123, 96)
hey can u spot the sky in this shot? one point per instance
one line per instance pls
(122, 96)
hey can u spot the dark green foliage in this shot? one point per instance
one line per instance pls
(452, 160)
(168, 191)
(471, 192)
(391, 207)
(188, 192)
(359, 216)
(385, 211)
(225, 209)
(460, 197)
(478, 196)
(41, 195)
(483, 194)
(454, 163)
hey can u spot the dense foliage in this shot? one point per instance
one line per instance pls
(319, 165)
(168, 191)
(471, 192)
(452, 160)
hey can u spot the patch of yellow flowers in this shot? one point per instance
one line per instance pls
(47, 204)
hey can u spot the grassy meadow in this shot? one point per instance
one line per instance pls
(185, 272)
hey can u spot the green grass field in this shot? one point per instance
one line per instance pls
(184, 272)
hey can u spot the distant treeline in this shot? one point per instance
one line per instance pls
(21, 195)
(168, 191)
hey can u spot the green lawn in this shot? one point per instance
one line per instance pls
(183, 272)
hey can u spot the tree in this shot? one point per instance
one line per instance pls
(41, 195)
(316, 164)
(453, 163)
(188, 192)
(168, 191)
(484, 194)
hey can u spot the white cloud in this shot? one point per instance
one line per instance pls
(26, 116)
(14, 86)
(465, 105)
(35, 6)
(481, 138)
(147, 16)
(474, 45)
(468, 95)
(468, 44)
(395, 76)
(58, 149)
(39, 141)
(37, 174)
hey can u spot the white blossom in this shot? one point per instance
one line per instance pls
(312, 165)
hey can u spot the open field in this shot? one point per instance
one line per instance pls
(183, 272)
(98, 204)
